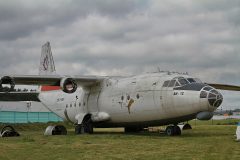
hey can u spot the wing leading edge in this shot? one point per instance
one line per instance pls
(55, 80)
(224, 86)
(43, 80)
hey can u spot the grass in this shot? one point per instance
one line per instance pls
(204, 141)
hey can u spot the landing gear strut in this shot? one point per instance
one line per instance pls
(85, 127)
(173, 130)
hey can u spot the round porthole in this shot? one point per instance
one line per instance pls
(137, 96)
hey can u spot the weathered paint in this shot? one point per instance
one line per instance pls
(130, 100)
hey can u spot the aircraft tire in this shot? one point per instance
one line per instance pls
(177, 130)
(173, 131)
(88, 127)
(79, 129)
(169, 131)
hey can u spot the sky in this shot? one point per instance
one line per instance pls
(125, 37)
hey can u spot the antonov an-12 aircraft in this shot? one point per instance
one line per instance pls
(134, 102)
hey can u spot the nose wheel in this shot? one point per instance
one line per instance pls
(173, 130)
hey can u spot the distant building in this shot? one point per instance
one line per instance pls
(236, 113)
(24, 112)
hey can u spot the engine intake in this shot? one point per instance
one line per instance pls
(55, 130)
(9, 131)
(7, 84)
(68, 85)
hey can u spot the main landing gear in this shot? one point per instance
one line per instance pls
(85, 127)
(173, 130)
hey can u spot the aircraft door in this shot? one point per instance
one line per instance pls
(85, 101)
(92, 101)
(163, 98)
(158, 94)
(167, 96)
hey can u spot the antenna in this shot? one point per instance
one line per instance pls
(158, 68)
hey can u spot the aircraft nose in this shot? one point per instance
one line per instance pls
(215, 98)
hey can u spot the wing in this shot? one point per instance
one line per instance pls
(55, 80)
(224, 86)
(68, 84)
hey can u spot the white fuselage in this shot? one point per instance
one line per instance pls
(136, 100)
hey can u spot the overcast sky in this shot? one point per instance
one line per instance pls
(124, 37)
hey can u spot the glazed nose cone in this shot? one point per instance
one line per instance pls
(215, 98)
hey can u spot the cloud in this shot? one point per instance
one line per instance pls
(123, 37)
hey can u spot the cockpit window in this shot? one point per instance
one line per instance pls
(197, 80)
(165, 84)
(180, 81)
(171, 84)
(191, 80)
(207, 88)
(183, 81)
(177, 84)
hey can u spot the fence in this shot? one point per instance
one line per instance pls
(25, 117)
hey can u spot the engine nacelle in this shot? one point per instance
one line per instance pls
(9, 131)
(68, 85)
(7, 84)
(55, 130)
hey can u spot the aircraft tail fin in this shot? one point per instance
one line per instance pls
(47, 66)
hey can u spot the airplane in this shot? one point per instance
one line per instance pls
(133, 102)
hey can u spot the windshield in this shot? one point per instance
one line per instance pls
(180, 81)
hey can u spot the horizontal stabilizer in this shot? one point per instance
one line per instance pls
(225, 87)
(19, 96)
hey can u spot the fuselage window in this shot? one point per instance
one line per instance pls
(171, 84)
(75, 105)
(165, 84)
(122, 98)
(138, 96)
(183, 81)
(66, 106)
(128, 97)
(79, 104)
(70, 105)
(134, 82)
(191, 80)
